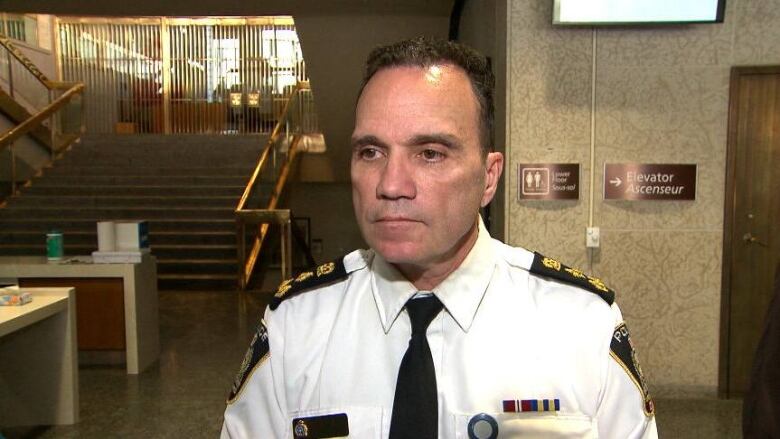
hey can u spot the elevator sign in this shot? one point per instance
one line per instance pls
(632, 181)
(548, 181)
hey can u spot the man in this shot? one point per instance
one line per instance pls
(762, 400)
(437, 330)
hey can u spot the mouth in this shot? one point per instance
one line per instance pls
(395, 219)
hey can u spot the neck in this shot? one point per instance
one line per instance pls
(427, 277)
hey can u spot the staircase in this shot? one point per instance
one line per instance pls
(186, 186)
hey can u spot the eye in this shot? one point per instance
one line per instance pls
(431, 155)
(368, 153)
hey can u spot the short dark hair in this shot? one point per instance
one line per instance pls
(424, 52)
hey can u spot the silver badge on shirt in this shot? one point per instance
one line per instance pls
(483, 426)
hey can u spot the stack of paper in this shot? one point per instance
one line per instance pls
(117, 257)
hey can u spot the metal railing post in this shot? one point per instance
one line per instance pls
(82, 110)
(52, 134)
(241, 254)
(10, 75)
(286, 249)
(13, 168)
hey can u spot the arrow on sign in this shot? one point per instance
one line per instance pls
(616, 181)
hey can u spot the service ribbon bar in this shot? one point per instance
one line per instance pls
(531, 405)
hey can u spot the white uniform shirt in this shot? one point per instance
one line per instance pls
(505, 335)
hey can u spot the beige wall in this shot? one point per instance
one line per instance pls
(661, 95)
(335, 48)
(329, 205)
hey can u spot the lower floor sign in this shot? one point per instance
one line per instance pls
(548, 181)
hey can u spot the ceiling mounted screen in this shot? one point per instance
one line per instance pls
(616, 12)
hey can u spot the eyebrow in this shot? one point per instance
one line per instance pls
(448, 140)
(368, 139)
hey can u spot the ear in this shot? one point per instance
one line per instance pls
(494, 166)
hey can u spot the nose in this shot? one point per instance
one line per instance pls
(397, 180)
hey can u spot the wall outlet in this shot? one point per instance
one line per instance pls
(592, 237)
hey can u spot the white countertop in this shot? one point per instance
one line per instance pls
(76, 266)
(46, 302)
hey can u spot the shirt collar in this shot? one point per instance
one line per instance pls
(461, 292)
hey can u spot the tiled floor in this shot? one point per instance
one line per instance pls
(203, 337)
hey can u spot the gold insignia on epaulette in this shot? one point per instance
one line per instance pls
(325, 269)
(284, 287)
(551, 263)
(303, 276)
(575, 273)
(598, 283)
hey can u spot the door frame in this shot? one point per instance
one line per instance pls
(728, 218)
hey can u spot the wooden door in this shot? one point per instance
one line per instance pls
(751, 221)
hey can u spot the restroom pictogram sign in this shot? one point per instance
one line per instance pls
(548, 181)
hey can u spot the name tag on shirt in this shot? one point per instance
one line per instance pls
(320, 427)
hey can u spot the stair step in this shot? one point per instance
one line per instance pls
(216, 251)
(180, 143)
(162, 251)
(197, 282)
(136, 190)
(89, 237)
(189, 266)
(133, 201)
(140, 158)
(117, 213)
(132, 171)
(142, 180)
(84, 224)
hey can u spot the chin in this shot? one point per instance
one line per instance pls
(399, 253)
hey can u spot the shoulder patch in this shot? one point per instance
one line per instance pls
(622, 350)
(323, 274)
(257, 353)
(549, 267)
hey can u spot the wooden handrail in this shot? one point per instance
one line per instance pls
(255, 174)
(28, 125)
(5, 42)
(270, 215)
(60, 85)
(268, 146)
(262, 231)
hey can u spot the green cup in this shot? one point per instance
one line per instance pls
(54, 250)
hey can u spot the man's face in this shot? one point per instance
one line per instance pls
(418, 177)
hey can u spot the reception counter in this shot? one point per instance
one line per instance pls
(38, 360)
(118, 303)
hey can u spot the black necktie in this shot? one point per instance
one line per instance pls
(416, 405)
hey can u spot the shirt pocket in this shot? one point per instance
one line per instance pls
(533, 426)
(364, 422)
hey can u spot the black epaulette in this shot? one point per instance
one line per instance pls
(549, 267)
(323, 274)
